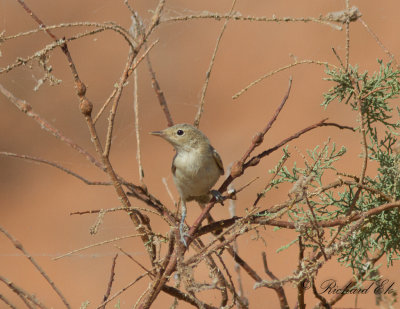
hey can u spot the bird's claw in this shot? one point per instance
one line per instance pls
(218, 196)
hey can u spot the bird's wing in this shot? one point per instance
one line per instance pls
(218, 160)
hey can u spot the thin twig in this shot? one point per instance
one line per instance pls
(136, 114)
(25, 296)
(135, 261)
(239, 93)
(256, 159)
(235, 247)
(26, 108)
(322, 299)
(208, 73)
(391, 56)
(159, 93)
(7, 302)
(238, 167)
(269, 185)
(347, 25)
(131, 69)
(185, 297)
(242, 301)
(361, 120)
(110, 281)
(343, 220)
(138, 26)
(164, 180)
(117, 96)
(19, 246)
(279, 289)
(106, 103)
(300, 285)
(338, 58)
(59, 43)
(100, 27)
(237, 16)
(95, 227)
(56, 165)
(106, 210)
(95, 245)
(103, 304)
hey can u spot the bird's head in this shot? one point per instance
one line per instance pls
(183, 137)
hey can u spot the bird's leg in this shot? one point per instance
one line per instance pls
(182, 224)
(218, 196)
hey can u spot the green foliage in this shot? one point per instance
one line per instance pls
(374, 92)
(316, 198)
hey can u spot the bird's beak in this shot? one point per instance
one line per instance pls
(157, 133)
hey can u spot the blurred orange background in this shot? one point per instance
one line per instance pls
(36, 200)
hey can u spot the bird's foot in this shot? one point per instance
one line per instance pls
(218, 196)
(183, 233)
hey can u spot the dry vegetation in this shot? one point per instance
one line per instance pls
(353, 218)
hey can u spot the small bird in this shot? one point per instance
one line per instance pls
(196, 166)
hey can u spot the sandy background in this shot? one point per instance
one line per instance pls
(36, 200)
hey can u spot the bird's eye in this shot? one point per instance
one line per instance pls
(180, 132)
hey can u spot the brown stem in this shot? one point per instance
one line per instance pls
(279, 289)
(110, 281)
(185, 297)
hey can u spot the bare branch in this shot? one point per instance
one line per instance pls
(239, 93)
(239, 17)
(110, 282)
(56, 165)
(111, 118)
(208, 74)
(25, 296)
(7, 302)
(103, 304)
(26, 108)
(279, 289)
(159, 93)
(19, 246)
(96, 245)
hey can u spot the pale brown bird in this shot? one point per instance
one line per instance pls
(196, 166)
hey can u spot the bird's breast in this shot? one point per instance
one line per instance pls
(195, 172)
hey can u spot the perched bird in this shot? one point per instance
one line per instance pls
(196, 166)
